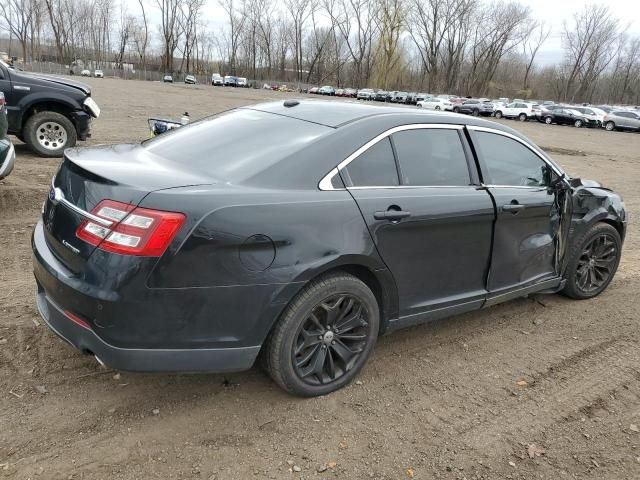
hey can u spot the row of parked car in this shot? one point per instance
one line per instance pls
(608, 117)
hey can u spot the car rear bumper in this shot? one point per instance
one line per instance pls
(149, 333)
(7, 158)
(212, 360)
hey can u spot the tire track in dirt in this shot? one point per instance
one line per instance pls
(564, 388)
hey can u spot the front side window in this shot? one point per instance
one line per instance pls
(431, 157)
(376, 167)
(508, 162)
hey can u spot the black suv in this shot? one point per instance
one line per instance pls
(7, 154)
(475, 108)
(47, 113)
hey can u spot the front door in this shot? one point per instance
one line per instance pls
(430, 223)
(533, 214)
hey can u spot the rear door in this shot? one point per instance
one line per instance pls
(624, 120)
(533, 213)
(511, 110)
(429, 219)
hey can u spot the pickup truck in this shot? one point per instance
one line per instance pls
(7, 153)
(48, 113)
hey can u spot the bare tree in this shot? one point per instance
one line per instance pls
(18, 15)
(589, 41)
(538, 35)
(140, 37)
(169, 29)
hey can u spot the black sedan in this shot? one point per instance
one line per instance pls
(301, 231)
(566, 116)
(7, 153)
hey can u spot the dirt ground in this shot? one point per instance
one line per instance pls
(467, 397)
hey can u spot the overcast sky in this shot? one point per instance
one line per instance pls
(553, 12)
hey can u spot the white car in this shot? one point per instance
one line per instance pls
(242, 82)
(217, 80)
(190, 80)
(98, 74)
(521, 110)
(436, 103)
(591, 113)
(85, 73)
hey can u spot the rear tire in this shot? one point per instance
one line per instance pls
(324, 336)
(548, 120)
(498, 114)
(475, 113)
(456, 110)
(578, 124)
(48, 134)
(522, 117)
(593, 262)
(437, 107)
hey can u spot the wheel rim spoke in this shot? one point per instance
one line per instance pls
(344, 353)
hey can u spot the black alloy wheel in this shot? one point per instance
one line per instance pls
(330, 340)
(324, 336)
(597, 262)
(593, 262)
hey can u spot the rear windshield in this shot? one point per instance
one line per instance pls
(235, 145)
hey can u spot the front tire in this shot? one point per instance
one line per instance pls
(49, 133)
(522, 117)
(593, 261)
(609, 126)
(324, 337)
(475, 113)
(498, 114)
(548, 120)
(578, 124)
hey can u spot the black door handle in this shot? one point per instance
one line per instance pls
(392, 215)
(512, 207)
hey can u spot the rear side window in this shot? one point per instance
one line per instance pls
(508, 162)
(431, 157)
(235, 145)
(376, 167)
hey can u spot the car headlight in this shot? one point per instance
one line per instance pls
(92, 106)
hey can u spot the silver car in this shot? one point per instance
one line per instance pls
(622, 120)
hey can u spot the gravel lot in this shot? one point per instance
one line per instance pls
(460, 398)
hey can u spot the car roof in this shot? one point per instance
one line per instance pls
(336, 114)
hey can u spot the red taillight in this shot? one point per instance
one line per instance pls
(2, 100)
(135, 230)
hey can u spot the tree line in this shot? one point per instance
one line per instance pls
(465, 47)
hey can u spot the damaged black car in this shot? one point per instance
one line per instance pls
(298, 232)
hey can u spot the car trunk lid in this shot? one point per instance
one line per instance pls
(125, 173)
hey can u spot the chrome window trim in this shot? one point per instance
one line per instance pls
(409, 187)
(530, 146)
(325, 183)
